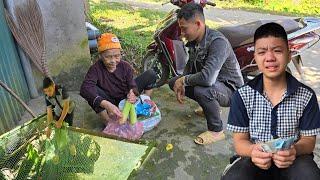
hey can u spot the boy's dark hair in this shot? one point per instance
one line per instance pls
(47, 81)
(190, 11)
(271, 29)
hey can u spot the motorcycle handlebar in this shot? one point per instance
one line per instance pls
(177, 3)
(211, 3)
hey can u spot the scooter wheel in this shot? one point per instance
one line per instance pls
(151, 61)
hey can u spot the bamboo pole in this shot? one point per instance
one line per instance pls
(18, 98)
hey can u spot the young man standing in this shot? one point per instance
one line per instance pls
(273, 105)
(212, 73)
(110, 80)
(59, 106)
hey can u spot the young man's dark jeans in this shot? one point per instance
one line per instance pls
(210, 99)
(303, 168)
(145, 81)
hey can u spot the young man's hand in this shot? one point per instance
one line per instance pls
(283, 159)
(131, 97)
(261, 159)
(179, 89)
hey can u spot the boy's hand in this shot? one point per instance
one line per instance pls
(131, 97)
(284, 158)
(261, 159)
(48, 132)
(58, 124)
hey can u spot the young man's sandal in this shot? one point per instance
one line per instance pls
(209, 137)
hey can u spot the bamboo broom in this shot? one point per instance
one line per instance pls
(28, 31)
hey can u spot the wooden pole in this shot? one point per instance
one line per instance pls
(18, 98)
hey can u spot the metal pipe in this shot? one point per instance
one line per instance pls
(90, 26)
(26, 66)
(93, 44)
(93, 34)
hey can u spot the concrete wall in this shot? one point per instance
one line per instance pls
(66, 41)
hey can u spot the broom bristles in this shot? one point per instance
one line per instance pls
(29, 32)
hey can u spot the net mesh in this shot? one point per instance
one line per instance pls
(69, 153)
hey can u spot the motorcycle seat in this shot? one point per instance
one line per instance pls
(239, 35)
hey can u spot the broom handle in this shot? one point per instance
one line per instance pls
(17, 97)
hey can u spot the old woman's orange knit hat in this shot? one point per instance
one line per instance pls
(108, 41)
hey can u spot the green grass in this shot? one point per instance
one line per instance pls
(285, 7)
(134, 27)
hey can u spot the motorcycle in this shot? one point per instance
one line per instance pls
(167, 55)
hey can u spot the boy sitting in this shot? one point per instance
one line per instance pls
(273, 105)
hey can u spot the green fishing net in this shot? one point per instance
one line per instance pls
(69, 153)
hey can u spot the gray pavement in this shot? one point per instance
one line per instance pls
(180, 125)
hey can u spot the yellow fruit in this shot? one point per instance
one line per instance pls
(169, 147)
